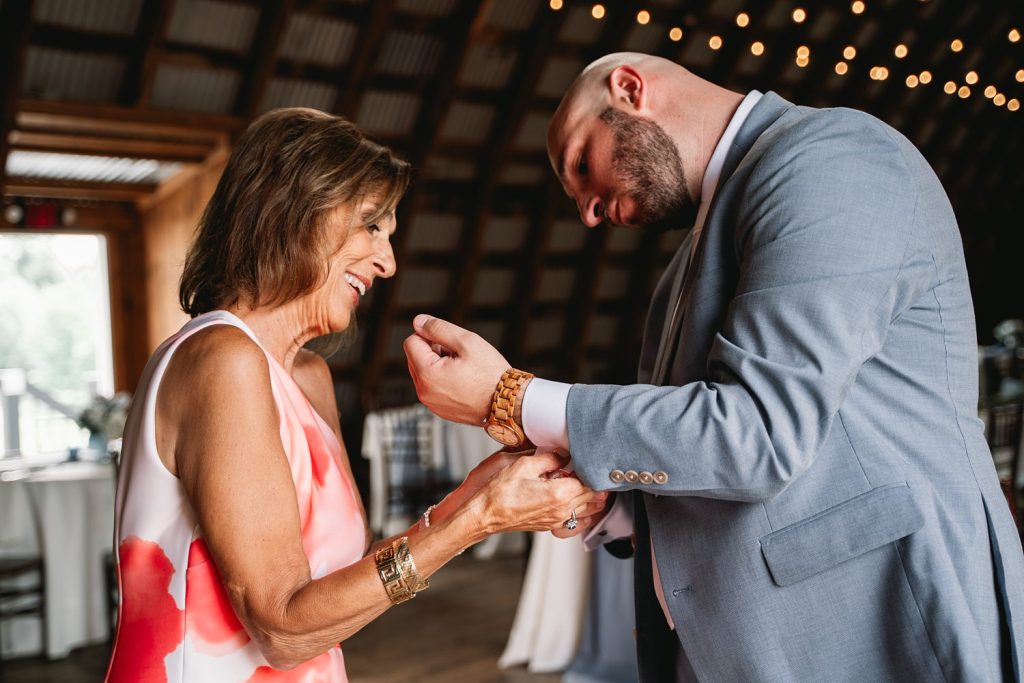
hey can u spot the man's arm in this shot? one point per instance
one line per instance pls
(822, 241)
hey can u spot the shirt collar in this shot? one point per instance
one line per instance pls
(714, 169)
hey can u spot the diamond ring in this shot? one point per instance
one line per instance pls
(570, 523)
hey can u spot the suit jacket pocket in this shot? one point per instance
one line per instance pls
(865, 522)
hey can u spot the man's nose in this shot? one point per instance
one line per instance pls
(592, 212)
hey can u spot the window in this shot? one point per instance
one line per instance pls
(55, 340)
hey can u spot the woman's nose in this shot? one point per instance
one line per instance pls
(384, 261)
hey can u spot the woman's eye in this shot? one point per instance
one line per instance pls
(373, 227)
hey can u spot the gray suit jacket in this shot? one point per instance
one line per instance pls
(829, 507)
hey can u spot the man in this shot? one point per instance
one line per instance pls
(812, 479)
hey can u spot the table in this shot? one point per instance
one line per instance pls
(76, 506)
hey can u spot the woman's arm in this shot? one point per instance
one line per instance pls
(227, 451)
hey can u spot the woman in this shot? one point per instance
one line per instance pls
(243, 548)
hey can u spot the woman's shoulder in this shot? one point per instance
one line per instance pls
(218, 355)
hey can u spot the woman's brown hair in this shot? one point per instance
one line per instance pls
(262, 237)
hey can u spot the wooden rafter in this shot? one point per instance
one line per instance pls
(364, 54)
(141, 62)
(76, 189)
(70, 143)
(468, 16)
(262, 56)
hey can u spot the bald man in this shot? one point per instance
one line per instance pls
(801, 461)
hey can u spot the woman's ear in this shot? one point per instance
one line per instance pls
(628, 87)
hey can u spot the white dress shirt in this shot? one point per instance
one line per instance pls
(544, 402)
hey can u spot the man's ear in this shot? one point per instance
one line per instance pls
(628, 87)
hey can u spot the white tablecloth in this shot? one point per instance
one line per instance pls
(76, 505)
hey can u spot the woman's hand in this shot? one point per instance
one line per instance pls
(524, 496)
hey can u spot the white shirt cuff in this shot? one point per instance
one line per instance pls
(618, 523)
(544, 413)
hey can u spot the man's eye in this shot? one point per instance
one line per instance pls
(582, 167)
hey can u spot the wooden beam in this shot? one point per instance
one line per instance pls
(15, 20)
(76, 189)
(77, 124)
(63, 143)
(468, 16)
(364, 54)
(262, 56)
(141, 63)
(167, 122)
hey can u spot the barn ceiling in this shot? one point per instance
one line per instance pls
(106, 99)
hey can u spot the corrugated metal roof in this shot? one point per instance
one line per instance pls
(223, 25)
(602, 328)
(429, 8)
(429, 231)
(102, 16)
(695, 51)
(60, 75)
(422, 286)
(391, 114)
(288, 92)
(186, 88)
(318, 40)
(447, 168)
(493, 286)
(567, 235)
(512, 16)
(558, 75)
(644, 37)
(533, 131)
(555, 283)
(466, 122)
(82, 167)
(504, 233)
(408, 54)
(611, 283)
(545, 333)
(624, 240)
(488, 66)
(580, 28)
(521, 174)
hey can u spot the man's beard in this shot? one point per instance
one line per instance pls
(649, 171)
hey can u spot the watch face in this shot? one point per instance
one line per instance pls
(503, 434)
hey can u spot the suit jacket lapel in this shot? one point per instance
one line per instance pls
(765, 112)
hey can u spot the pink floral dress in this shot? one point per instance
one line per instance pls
(175, 622)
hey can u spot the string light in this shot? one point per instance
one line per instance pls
(900, 51)
(803, 52)
(990, 91)
(675, 34)
(971, 77)
(597, 11)
(802, 62)
(715, 42)
(841, 68)
(857, 7)
(742, 19)
(757, 48)
(964, 92)
(799, 15)
(879, 73)
(643, 17)
(999, 100)
(849, 52)
(555, 4)
(1013, 105)
(1020, 75)
(926, 77)
(956, 45)
(1014, 35)
(949, 88)
(912, 81)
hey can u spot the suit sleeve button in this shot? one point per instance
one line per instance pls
(616, 476)
(646, 477)
(660, 477)
(632, 477)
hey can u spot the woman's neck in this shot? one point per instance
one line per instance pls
(282, 330)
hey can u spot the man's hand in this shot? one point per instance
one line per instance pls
(455, 370)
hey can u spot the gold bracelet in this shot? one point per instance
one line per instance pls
(397, 571)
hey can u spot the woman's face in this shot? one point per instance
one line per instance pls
(360, 252)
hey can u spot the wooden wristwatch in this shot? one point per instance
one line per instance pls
(501, 424)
